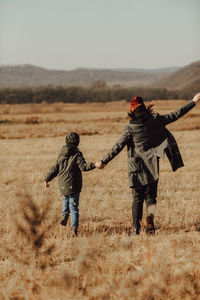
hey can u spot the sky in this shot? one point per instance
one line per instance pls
(70, 34)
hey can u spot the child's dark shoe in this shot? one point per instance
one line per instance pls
(63, 221)
(74, 231)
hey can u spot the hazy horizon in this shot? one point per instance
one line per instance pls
(91, 68)
(66, 35)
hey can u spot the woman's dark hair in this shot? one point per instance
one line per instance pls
(142, 109)
(149, 107)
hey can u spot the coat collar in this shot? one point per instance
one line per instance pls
(140, 118)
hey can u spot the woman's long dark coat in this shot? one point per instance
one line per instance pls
(147, 140)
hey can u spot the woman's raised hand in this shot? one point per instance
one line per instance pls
(196, 97)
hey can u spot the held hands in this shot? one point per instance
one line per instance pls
(99, 164)
(196, 98)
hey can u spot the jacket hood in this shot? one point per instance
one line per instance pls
(72, 139)
(68, 150)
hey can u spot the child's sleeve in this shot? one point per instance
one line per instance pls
(52, 173)
(82, 163)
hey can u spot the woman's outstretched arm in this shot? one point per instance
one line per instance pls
(177, 114)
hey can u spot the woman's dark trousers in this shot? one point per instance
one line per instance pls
(148, 193)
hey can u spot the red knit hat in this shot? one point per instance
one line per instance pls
(135, 103)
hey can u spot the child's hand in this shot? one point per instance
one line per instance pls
(46, 184)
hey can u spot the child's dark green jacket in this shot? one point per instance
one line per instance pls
(68, 167)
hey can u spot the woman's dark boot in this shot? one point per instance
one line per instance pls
(136, 230)
(151, 208)
(137, 209)
(150, 224)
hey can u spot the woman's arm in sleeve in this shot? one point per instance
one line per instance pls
(117, 147)
(177, 114)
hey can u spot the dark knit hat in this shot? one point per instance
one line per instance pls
(135, 103)
(72, 139)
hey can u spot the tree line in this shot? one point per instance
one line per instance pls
(99, 92)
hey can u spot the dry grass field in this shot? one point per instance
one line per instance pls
(39, 259)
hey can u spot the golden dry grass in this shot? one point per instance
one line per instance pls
(40, 260)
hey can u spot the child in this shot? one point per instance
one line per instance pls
(68, 167)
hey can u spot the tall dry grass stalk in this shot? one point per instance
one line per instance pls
(33, 222)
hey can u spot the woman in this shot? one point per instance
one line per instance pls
(147, 140)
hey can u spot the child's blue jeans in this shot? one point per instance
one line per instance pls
(70, 207)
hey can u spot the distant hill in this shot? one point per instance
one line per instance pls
(159, 70)
(174, 78)
(30, 84)
(32, 76)
(184, 78)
